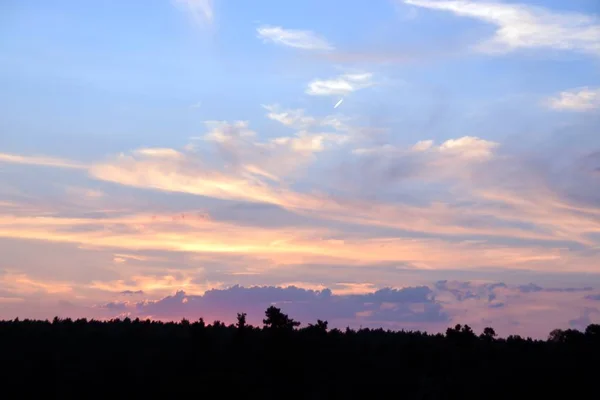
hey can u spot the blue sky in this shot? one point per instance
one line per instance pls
(128, 72)
(467, 127)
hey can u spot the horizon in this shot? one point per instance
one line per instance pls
(406, 164)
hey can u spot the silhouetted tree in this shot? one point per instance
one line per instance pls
(241, 321)
(320, 325)
(467, 331)
(69, 359)
(557, 336)
(593, 331)
(488, 333)
(278, 320)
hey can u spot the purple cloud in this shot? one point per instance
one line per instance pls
(407, 305)
(115, 306)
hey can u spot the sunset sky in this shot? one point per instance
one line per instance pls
(410, 164)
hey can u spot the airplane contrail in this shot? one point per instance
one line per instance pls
(338, 103)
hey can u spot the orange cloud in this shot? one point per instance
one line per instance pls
(486, 215)
(22, 284)
(285, 246)
(152, 285)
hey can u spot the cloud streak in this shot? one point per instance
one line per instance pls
(201, 11)
(341, 85)
(40, 161)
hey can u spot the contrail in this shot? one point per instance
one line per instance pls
(338, 103)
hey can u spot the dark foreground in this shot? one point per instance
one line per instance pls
(142, 359)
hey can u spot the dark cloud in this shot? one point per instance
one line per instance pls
(115, 306)
(467, 290)
(529, 288)
(407, 305)
(584, 319)
(430, 308)
(487, 292)
(132, 292)
(569, 290)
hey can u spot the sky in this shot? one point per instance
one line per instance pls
(406, 164)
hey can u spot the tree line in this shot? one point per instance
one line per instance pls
(124, 358)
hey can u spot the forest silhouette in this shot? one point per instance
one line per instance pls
(124, 358)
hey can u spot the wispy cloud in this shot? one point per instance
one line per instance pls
(581, 99)
(340, 86)
(201, 11)
(243, 164)
(298, 119)
(285, 246)
(300, 39)
(522, 26)
(257, 172)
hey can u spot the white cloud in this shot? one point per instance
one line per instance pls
(340, 86)
(201, 11)
(307, 143)
(242, 151)
(469, 147)
(297, 119)
(522, 26)
(423, 145)
(299, 39)
(581, 99)
(223, 131)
